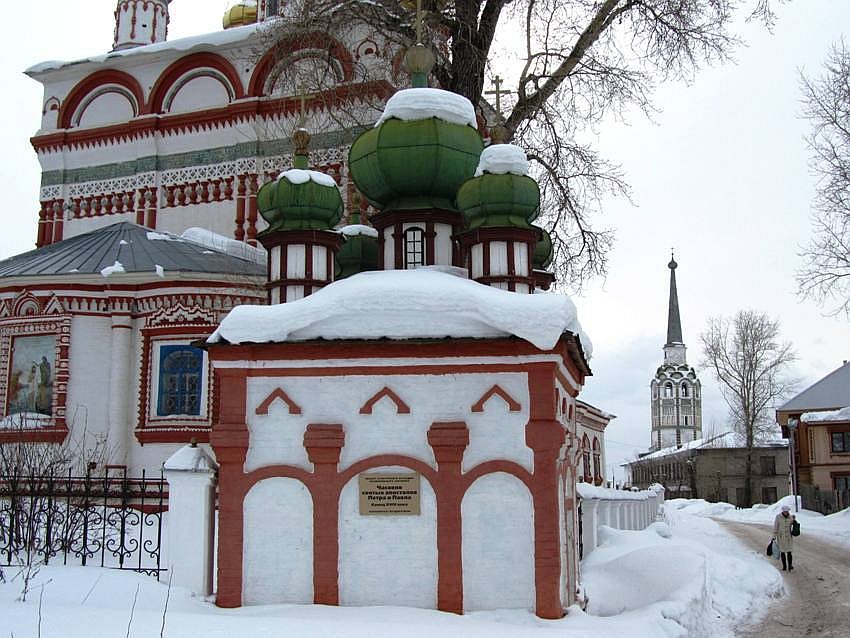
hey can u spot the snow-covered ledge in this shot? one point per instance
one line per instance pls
(620, 509)
(191, 476)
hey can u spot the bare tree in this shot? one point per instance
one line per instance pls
(749, 362)
(825, 273)
(569, 64)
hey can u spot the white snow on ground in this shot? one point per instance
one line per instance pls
(421, 303)
(302, 176)
(502, 158)
(835, 527)
(423, 103)
(687, 577)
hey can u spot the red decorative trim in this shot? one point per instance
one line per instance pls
(172, 435)
(316, 40)
(193, 62)
(92, 82)
(39, 435)
(148, 125)
(401, 406)
(496, 390)
(276, 394)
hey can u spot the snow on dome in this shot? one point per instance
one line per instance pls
(500, 159)
(225, 245)
(352, 230)
(423, 103)
(421, 303)
(301, 176)
(831, 415)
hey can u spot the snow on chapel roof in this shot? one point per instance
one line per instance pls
(407, 304)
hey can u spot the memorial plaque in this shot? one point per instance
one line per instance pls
(389, 494)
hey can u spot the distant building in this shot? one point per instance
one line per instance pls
(676, 394)
(821, 414)
(590, 429)
(713, 469)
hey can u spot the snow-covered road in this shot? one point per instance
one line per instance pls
(818, 601)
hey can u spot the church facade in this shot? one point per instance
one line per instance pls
(138, 146)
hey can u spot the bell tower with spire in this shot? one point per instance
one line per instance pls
(676, 392)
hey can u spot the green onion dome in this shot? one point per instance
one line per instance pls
(501, 194)
(541, 259)
(360, 250)
(424, 146)
(300, 199)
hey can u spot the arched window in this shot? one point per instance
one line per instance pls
(414, 247)
(180, 374)
(585, 459)
(668, 390)
(685, 390)
(597, 462)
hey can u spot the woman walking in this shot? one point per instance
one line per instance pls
(782, 535)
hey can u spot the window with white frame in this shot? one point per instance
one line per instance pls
(414, 247)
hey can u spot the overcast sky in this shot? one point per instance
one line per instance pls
(721, 175)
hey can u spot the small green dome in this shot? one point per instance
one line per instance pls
(413, 159)
(543, 253)
(300, 199)
(499, 200)
(359, 253)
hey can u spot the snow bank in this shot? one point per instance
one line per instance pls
(424, 103)
(406, 304)
(834, 528)
(831, 415)
(691, 580)
(700, 582)
(500, 159)
(302, 176)
(223, 244)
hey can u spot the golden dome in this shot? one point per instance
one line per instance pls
(239, 14)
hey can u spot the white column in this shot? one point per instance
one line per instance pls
(121, 359)
(191, 476)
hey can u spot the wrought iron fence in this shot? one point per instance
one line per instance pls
(112, 521)
(823, 501)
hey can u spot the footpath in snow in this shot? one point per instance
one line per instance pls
(682, 577)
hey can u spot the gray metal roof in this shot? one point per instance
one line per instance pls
(133, 247)
(830, 393)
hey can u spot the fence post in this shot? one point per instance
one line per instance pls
(590, 524)
(191, 476)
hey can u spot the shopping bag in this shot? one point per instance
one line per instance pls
(770, 548)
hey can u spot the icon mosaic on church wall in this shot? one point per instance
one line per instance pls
(31, 375)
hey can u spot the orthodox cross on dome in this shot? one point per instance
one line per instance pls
(499, 132)
(498, 92)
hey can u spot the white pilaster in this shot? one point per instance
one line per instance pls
(191, 476)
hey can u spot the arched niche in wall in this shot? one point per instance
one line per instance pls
(315, 61)
(104, 97)
(195, 82)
